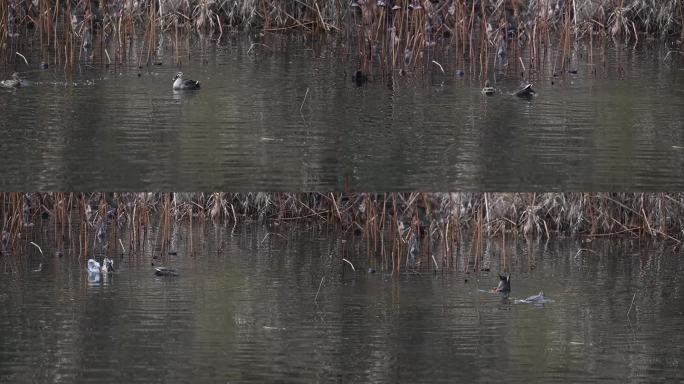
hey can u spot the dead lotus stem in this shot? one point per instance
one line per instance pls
(522, 64)
(439, 65)
(350, 264)
(435, 262)
(23, 57)
(37, 246)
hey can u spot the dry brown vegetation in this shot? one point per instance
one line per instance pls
(396, 32)
(395, 225)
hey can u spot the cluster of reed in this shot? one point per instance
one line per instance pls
(396, 226)
(69, 30)
(400, 34)
(397, 33)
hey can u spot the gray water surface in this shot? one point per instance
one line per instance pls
(286, 116)
(244, 310)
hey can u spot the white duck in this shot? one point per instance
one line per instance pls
(93, 266)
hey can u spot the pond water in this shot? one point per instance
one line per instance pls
(247, 308)
(285, 115)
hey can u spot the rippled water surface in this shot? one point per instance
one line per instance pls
(245, 309)
(286, 116)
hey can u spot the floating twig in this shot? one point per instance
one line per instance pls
(255, 44)
(586, 250)
(303, 101)
(630, 305)
(319, 288)
(271, 233)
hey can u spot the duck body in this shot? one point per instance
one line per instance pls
(526, 92)
(181, 84)
(164, 271)
(535, 299)
(488, 90)
(504, 284)
(14, 82)
(10, 83)
(107, 265)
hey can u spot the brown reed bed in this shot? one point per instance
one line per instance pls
(401, 229)
(400, 35)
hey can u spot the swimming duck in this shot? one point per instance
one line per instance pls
(504, 284)
(93, 266)
(359, 78)
(164, 271)
(14, 82)
(106, 267)
(526, 92)
(180, 84)
(488, 89)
